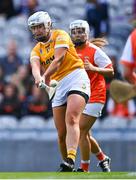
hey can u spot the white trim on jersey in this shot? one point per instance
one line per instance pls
(37, 57)
(127, 54)
(100, 57)
(62, 46)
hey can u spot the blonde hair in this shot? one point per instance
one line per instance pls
(100, 42)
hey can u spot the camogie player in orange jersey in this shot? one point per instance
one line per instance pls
(56, 53)
(128, 58)
(97, 65)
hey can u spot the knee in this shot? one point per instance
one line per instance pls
(72, 118)
(83, 132)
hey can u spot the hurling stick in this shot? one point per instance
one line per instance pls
(49, 89)
(122, 91)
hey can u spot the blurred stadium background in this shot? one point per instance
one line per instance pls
(28, 139)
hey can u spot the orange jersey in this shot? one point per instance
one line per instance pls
(129, 53)
(128, 57)
(45, 53)
(98, 58)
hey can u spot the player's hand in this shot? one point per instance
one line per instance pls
(39, 80)
(45, 79)
(89, 66)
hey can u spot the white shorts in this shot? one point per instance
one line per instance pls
(75, 81)
(93, 109)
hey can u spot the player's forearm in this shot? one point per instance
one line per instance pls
(131, 78)
(54, 66)
(35, 65)
(129, 74)
(105, 71)
(36, 71)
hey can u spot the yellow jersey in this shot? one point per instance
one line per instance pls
(45, 53)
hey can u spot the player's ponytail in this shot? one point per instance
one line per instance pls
(100, 42)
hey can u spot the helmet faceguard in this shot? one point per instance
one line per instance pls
(79, 31)
(42, 21)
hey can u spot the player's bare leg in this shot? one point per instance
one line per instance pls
(88, 143)
(104, 161)
(75, 105)
(59, 119)
(84, 143)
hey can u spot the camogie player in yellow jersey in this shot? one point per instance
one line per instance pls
(55, 53)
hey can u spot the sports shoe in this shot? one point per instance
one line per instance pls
(67, 166)
(105, 164)
(80, 170)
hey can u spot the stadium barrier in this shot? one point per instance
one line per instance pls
(37, 150)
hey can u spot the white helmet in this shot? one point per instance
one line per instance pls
(80, 24)
(39, 17)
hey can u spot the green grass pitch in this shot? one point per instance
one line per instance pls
(74, 175)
